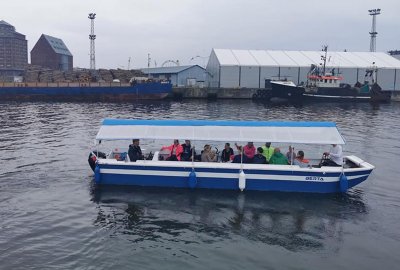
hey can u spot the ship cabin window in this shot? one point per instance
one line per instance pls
(326, 80)
(330, 81)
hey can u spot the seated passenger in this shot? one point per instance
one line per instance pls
(134, 152)
(300, 160)
(188, 151)
(249, 151)
(290, 155)
(175, 151)
(278, 158)
(238, 158)
(259, 157)
(227, 153)
(268, 150)
(208, 155)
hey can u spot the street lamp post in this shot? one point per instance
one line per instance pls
(201, 57)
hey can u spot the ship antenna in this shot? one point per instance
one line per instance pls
(323, 58)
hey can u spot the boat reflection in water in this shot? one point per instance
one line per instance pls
(292, 221)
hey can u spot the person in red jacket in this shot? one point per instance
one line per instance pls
(175, 149)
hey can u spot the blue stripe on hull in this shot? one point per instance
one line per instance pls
(269, 183)
(292, 186)
(142, 180)
(357, 181)
(223, 183)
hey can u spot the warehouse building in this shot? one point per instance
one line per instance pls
(181, 76)
(228, 68)
(13, 52)
(52, 53)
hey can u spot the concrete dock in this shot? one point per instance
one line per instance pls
(220, 93)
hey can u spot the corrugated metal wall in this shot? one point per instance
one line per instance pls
(241, 68)
(194, 72)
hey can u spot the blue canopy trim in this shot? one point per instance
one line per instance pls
(131, 122)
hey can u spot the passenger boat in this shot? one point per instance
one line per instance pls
(114, 170)
(325, 85)
(95, 91)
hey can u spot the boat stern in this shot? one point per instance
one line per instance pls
(357, 170)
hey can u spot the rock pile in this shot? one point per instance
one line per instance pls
(40, 74)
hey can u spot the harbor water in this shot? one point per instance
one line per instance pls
(52, 216)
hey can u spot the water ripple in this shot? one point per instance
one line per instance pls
(52, 216)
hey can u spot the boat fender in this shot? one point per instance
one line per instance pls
(97, 175)
(192, 181)
(242, 180)
(343, 182)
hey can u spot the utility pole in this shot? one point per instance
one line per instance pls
(92, 38)
(373, 33)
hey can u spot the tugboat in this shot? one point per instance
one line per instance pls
(286, 90)
(326, 85)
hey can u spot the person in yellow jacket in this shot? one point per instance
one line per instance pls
(268, 151)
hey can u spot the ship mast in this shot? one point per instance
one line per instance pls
(323, 57)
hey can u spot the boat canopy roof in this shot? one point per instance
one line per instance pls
(224, 131)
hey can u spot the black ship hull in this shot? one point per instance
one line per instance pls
(284, 91)
(345, 93)
(348, 93)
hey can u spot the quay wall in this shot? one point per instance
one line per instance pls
(230, 93)
(221, 93)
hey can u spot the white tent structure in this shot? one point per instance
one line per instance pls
(229, 68)
(204, 130)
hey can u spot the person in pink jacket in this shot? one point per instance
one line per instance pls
(176, 151)
(249, 151)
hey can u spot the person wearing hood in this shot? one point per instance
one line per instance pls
(278, 158)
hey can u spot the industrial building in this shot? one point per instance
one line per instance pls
(52, 53)
(228, 68)
(181, 76)
(13, 52)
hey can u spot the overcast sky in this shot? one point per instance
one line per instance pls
(181, 30)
